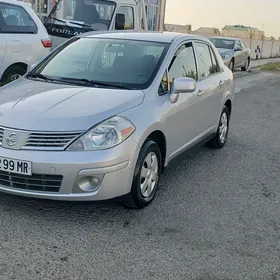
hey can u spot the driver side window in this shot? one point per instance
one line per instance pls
(183, 64)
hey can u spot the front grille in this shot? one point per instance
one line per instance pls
(1, 135)
(49, 140)
(35, 182)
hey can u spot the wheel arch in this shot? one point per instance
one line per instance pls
(20, 64)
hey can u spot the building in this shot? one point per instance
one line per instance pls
(178, 28)
(241, 31)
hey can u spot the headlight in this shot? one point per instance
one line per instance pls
(105, 135)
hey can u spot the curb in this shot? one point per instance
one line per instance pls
(254, 70)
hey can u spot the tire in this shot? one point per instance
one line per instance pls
(12, 73)
(231, 65)
(218, 141)
(245, 68)
(138, 198)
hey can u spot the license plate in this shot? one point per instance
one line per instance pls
(15, 166)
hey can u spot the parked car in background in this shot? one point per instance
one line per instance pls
(24, 40)
(234, 52)
(104, 122)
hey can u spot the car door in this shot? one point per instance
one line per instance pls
(210, 88)
(180, 117)
(246, 51)
(239, 55)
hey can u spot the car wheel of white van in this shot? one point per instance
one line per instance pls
(146, 177)
(221, 136)
(12, 73)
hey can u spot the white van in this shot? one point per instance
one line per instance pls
(23, 39)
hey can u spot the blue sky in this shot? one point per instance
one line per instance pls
(210, 13)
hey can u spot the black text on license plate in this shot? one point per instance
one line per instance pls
(15, 166)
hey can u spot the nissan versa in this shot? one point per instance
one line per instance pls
(104, 114)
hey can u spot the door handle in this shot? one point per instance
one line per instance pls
(221, 83)
(200, 92)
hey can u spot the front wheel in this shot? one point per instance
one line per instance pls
(221, 136)
(146, 177)
(231, 65)
(246, 66)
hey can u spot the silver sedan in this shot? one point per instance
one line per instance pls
(235, 52)
(104, 114)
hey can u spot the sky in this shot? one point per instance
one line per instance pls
(218, 13)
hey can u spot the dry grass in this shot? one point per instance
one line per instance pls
(275, 67)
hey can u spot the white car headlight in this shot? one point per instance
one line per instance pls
(105, 135)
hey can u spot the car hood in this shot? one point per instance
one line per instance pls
(42, 106)
(224, 51)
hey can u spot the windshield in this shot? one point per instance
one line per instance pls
(127, 63)
(223, 43)
(71, 17)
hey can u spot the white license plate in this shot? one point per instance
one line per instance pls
(15, 166)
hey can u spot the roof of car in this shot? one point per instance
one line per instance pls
(165, 37)
(226, 38)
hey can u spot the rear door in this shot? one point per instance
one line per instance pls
(20, 32)
(210, 88)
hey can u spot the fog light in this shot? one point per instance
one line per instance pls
(89, 183)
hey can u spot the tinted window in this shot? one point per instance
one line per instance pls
(15, 19)
(113, 61)
(126, 17)
(204, 60)
(238, 43)
(223, 43)
(183, 63)
(244, 46)
(216, 67)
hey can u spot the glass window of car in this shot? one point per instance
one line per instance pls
(125, 18)
(238, 44)
(215, 68)
(244, 46)
(204, 60)
(223, 43)
(111, 61)
(183, 63)
(15, 19)
(83, 15)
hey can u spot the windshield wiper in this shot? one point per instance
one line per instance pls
(39, 76)
(96, 83)
(81, 24)
(64, 22)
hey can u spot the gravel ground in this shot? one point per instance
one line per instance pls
(216, 215)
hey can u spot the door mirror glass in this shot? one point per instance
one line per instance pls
(181, 85)
(120, 22)
(238, 49)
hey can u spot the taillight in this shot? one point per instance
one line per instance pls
(47, 43)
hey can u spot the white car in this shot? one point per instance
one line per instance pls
(24, 40)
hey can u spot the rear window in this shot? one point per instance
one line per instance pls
(15, 19)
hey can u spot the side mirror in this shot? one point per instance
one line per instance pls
(181, 85)
(120, 22)
(237, 49)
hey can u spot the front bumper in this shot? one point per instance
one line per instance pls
(114, 167)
